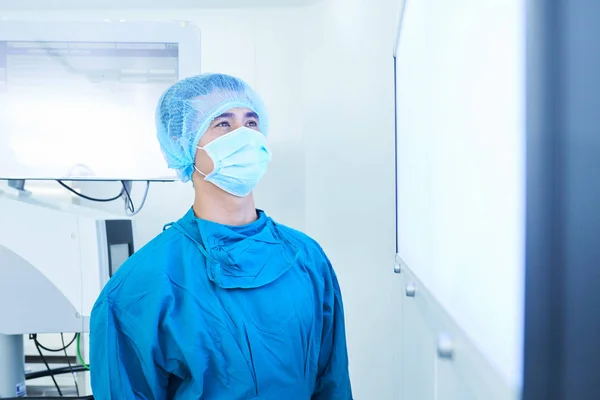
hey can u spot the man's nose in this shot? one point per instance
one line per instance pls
(237, 124)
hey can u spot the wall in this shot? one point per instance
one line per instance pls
(349, 135)
(326, 74)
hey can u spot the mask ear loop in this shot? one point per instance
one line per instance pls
(198, 169)
(200, 172)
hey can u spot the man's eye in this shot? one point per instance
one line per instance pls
(223, 124)
(252, 124)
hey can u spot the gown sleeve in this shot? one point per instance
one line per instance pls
(333, 380)
(121, 357)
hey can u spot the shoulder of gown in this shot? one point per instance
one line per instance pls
(147, 273)
(311, 253)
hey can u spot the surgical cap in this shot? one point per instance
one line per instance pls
(187, 108)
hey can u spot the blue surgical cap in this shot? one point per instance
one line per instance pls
(187, 108)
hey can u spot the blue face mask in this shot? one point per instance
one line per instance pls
(240, 160)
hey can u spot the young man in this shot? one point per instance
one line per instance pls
(226, 304)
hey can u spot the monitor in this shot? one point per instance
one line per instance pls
(77, 100)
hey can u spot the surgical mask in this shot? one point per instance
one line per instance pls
(240, 160)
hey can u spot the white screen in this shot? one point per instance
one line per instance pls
(461, 167)
(77, 109)
(119, 253)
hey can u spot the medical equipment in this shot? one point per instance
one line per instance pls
(54, 260)
(93, 89)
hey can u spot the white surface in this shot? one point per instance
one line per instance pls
(332, 120)
(467, 375)
(69, 111)
(461, 144)
(53, 252)
(61, 243)
(147, 4)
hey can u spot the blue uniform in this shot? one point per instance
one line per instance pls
(208, 311)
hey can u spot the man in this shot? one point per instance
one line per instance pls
(226, 303)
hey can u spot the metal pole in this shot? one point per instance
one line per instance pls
(12, 366)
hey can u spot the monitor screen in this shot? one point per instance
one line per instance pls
(119, 238)
(119, 253)
(83, 109)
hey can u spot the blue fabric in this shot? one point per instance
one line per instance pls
(187, 108)
(207, 311)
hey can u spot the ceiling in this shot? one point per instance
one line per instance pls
(31, 5)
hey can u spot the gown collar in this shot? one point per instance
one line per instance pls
(241, 257)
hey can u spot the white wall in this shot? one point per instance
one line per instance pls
(349, 140)
(326, 74)
(461, 151)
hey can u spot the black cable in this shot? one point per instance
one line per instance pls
(34, 338)
(37, 346)
(54, 371)
(62, 339)
(70, 189)
(130, 205)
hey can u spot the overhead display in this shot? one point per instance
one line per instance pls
(84, 109)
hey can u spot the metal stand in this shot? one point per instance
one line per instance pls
(18, 184)
(12, 366)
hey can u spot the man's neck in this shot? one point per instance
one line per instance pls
(213, 204)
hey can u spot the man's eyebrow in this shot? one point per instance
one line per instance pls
(226, 115)
(251, 114)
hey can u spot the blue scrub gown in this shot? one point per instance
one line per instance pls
(208, 311)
